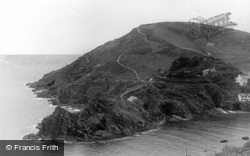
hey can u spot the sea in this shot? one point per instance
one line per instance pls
(20, 111)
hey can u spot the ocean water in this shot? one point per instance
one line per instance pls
(202, 138)
(20, 111)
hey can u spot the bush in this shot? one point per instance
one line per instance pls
(235, 151)
(236, 106)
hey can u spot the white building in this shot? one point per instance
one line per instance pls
(208, 72)
(243, 80)
(135, 100)
(132, 99)
(244, 96)
(210, 49)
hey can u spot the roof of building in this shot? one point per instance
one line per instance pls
(245, 76)
(244, 94)
(132, 98)
(209, 69)
(210, 44)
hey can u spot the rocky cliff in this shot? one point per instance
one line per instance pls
(101, 119)
(156, 72)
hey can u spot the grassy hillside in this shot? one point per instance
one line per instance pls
(161, 65)
(175, 94)
(151, 47)
(232, 46)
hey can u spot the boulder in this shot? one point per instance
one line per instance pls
(223, 141)
(245, 138)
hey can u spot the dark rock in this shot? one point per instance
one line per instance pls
(42, 94)
(95, 82)
(30, 136)
(245, 138)
(223, 141)
(99, 120)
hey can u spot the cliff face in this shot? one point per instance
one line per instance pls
(119, 64)
(137, 56)
(180, 93)
(167, 72)
(100, 119)
(186, 90)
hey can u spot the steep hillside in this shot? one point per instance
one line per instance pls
(181, 93)
(152, 47)
(159, 67)
(230, 45)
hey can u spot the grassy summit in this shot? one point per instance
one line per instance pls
(157, 64)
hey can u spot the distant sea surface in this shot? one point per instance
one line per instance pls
(20, 111)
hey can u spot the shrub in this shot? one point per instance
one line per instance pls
(235, 151)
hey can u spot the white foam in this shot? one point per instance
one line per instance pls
(146, 132)
(39, 91)
(40, 119)
(51, 98)
(152, 130)
(26, 87)
(33, 128)
(53, 106)
(20, 138)
(68, 142)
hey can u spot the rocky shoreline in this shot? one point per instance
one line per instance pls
(104, 117)
(104, 137)
(130, 84)
(68, 121)
(66, 118)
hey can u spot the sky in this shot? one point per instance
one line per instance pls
(78, 26)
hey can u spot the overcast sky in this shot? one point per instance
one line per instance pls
(78, 26)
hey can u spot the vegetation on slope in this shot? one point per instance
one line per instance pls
(176, 92)
(99, 119)
(174, 85)
(233, 151)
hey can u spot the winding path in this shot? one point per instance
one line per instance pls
(190, 49)
(145, 38)
(131, 90)
(118, 61)
(87, 58)
(137, 75)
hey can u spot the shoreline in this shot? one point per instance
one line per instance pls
(33, 128)
(157, 126)
(152, 127)
(139, 134)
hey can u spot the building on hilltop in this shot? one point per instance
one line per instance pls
(208, 72)
(210, 49)
(244, 96)
(135, 100)
(243, 80)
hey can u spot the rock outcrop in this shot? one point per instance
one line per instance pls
(100, 119)
(172, 77)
